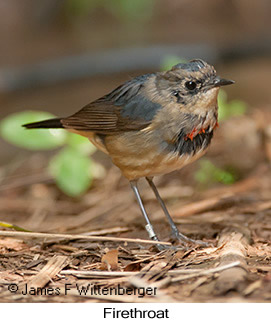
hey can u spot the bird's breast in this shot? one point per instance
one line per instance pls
(147, 154)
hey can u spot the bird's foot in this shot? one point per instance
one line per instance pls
(159, 246)
(162, 247)
(184, 240)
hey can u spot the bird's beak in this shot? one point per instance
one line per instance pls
(221, 82)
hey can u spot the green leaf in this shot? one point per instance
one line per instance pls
(222, 105)
(208, 173)
(222, 97)
(12, 226)
(35, 139)
(81, 144)
(80, 8)
(230, 109)
(170, 61)
(72, 171)
(237, 107)
(129, 10)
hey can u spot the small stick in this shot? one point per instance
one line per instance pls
(97, 274)
(225, 199)
(107, 231)
(234, 249)
(206, 272)
(186, 273)
(211, 204)
(77, 236)
(48, 272)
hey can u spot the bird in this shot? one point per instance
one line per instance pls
(153, 124)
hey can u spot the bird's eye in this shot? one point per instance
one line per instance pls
(190, 85)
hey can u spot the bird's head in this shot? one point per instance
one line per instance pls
(193, 86)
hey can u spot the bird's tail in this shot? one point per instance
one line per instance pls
(50, 123)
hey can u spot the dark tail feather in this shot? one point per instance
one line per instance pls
(51, 123)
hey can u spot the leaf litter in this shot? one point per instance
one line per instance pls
(100, 241)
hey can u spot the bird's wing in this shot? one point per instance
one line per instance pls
(125, 109)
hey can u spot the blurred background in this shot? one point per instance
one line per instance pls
(58, 55)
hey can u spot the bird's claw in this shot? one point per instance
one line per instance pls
(184, 240)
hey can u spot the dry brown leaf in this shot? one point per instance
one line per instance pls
(133, 267)
(9, 276)
(110, 260)
(259, 250)
(11, 244)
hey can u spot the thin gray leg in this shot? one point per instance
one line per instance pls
(148, 226)
(174, 229)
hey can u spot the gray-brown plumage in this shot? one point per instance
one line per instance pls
(152, 124)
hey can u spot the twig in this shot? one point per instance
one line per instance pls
(94, 233)
(97, 274)
(212, 204)
(27, 181)
(49, 271)
(188, 273)
(77, 236)
(224, 199)
(206, 272)
(114, 202)
(234, 248)
(107, 231)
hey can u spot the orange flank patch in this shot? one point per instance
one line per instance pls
(194, 132)
(191, 134)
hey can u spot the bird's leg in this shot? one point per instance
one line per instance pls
(148, 226)
(175, 232)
